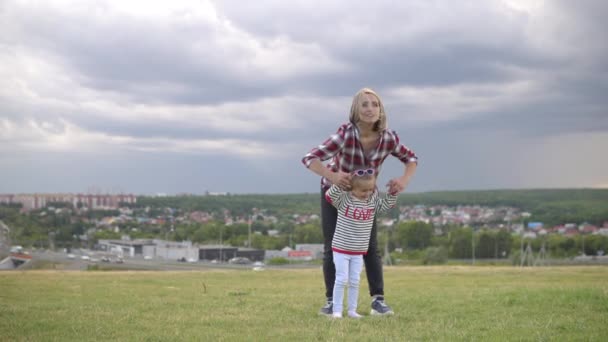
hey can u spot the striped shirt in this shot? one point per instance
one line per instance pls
(346, 152)
(355, 218)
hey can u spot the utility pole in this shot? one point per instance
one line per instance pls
(52, 241)
(473, 245)
(5, 237)
(524, 216)
(387, 255)
(528, 255)
(249, 233)
(542, 255)
(221, 246)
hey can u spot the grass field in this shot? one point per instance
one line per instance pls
(444, 303)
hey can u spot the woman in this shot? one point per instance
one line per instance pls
(362, 143)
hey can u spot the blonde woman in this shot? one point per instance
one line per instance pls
(362, 143)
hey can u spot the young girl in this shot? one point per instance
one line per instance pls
(356, 212)
(363, 143)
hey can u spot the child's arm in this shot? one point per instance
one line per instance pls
(335, 195)
(386, 202)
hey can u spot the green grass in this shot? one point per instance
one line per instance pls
(443, 303)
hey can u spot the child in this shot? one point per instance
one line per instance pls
(356, 212)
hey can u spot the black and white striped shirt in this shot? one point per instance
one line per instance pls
(355, 218)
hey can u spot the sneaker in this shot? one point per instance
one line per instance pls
(354, 314)
(328, 308)
(336, 315)
(380, 308)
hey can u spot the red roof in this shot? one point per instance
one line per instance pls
(21, 256)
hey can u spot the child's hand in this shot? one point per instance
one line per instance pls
(395, 186)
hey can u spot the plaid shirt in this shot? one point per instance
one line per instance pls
(346, 152)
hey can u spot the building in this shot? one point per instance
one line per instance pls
(124, 248)
(217, 252)
(251, 254)
(172, 250)
(5, 241)
(315, 249)
(39, 201)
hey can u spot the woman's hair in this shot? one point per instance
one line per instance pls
(354, 109)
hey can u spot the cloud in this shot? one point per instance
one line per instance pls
(62, 136)
(187, 48)
(255, 85)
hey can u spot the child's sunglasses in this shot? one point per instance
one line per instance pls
(363, 172)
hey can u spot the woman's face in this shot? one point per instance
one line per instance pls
(369, 109)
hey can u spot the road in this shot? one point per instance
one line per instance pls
(138, 263)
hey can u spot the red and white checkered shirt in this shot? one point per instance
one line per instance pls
(346, 153)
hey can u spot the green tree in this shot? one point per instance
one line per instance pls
(308, 233)
(435, 255)
(460, 246)
(414, 234)
(486, 244)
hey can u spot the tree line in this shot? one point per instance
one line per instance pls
(44, 228)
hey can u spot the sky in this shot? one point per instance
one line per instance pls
(203, 96)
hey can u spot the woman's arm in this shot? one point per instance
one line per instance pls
(313, 160)
(410, 161)
(341, 179)
(397, 185)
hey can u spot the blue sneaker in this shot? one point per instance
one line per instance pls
(328, 308)
(380, 308)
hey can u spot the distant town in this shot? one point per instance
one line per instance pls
(438, 215)
(120, 226)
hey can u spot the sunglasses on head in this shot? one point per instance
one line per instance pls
(364, 172)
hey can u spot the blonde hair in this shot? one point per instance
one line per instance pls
(354, 109)
(358, 181)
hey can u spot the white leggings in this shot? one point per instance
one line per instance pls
(348, 272)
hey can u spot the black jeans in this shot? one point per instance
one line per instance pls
(372, 260)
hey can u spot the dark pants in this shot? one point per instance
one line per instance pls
(372, 260)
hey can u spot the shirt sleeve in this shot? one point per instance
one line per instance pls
(402, 152)
(335, 196)
(327, 149)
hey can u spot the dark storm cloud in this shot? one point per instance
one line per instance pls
(472, 81)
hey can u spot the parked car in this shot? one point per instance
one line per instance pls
(240, 261)
(16, 249)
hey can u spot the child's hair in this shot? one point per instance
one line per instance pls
(354, 109)
(357, 180)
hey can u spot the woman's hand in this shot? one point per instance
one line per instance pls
(397, 185)
(341, 179)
